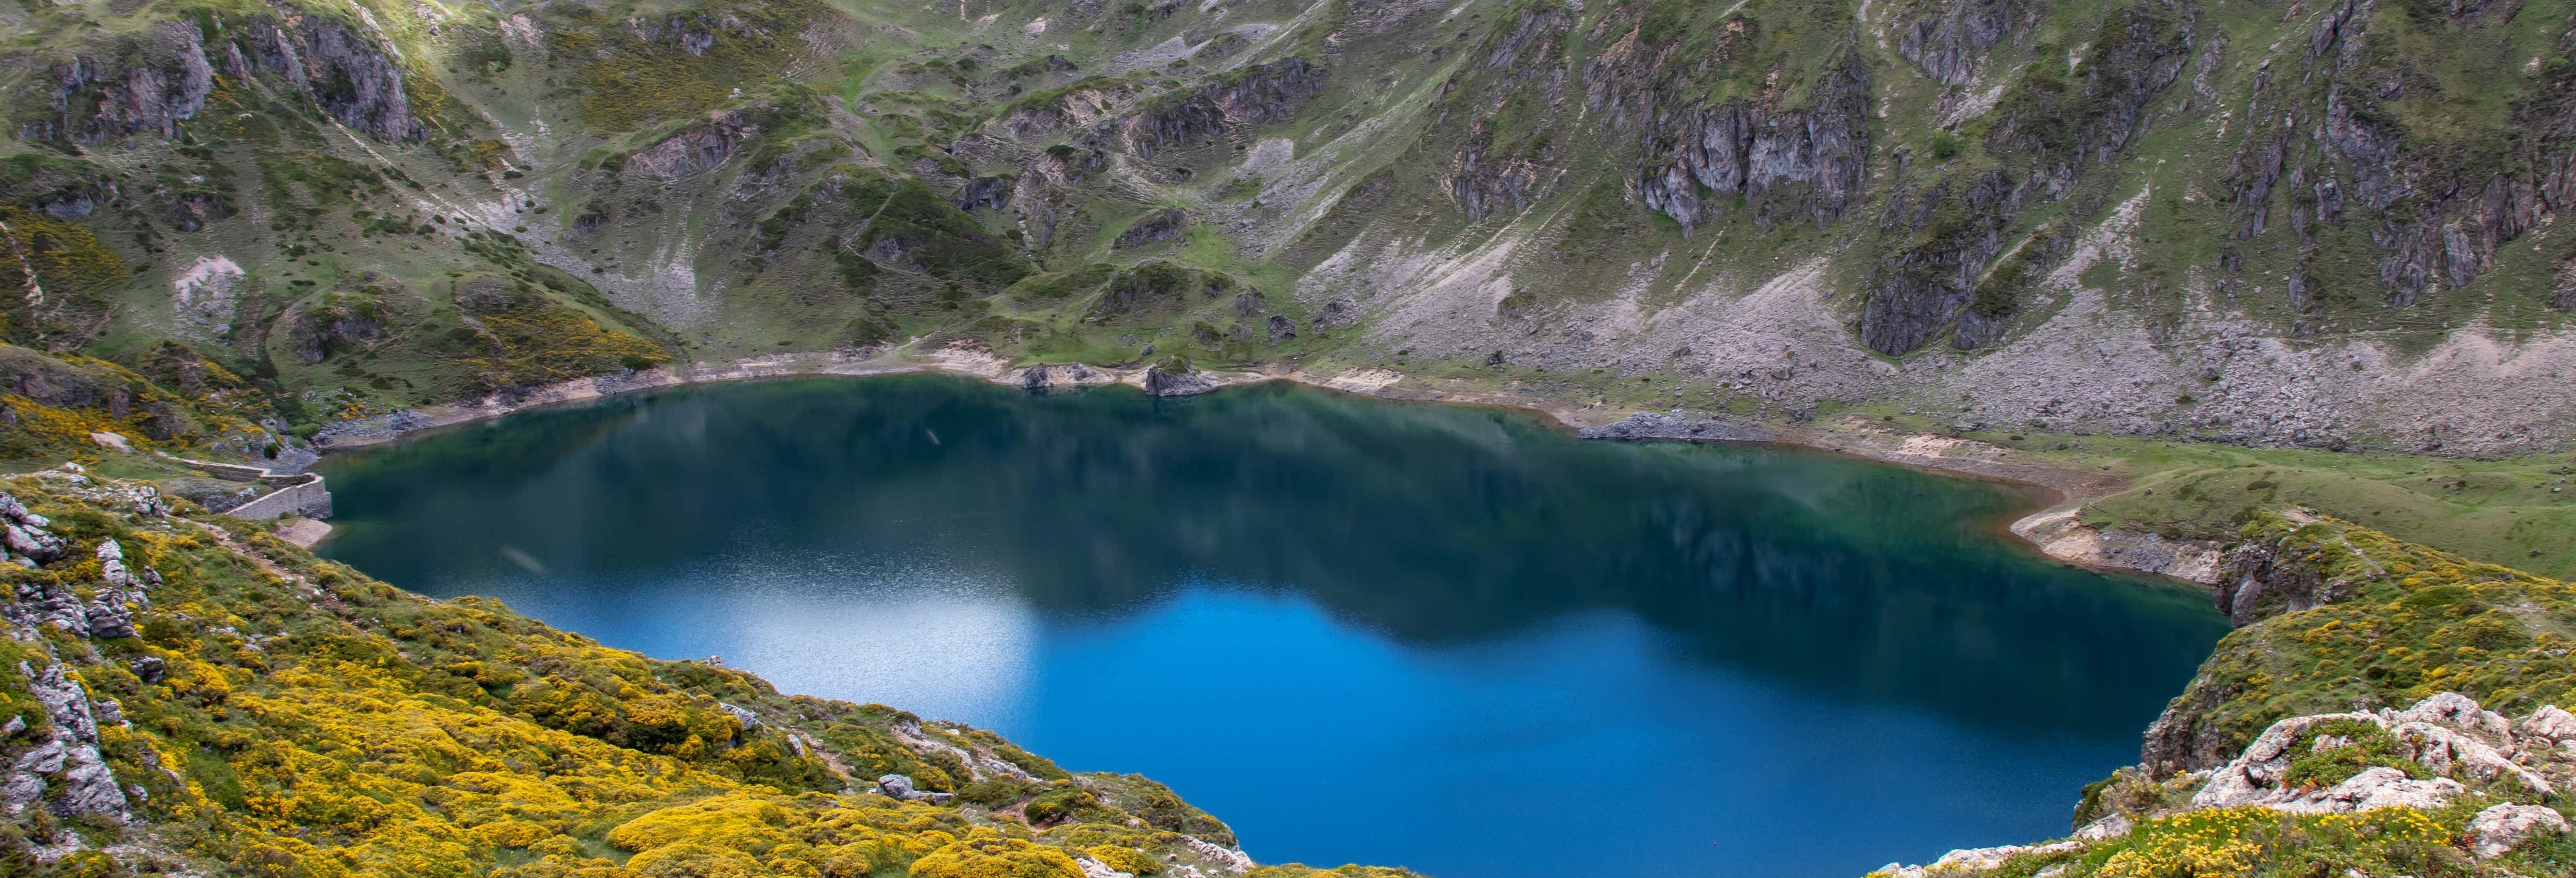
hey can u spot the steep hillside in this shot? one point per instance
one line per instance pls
(185, 694)
(2316, 224)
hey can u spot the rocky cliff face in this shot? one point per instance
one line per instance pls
(145, 86)
(1813, 156)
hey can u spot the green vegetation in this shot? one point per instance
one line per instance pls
(2406, 622)
(2508, 511)
(2323, 763)
(628, 80)
(2262, 843)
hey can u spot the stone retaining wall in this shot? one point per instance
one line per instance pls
(297, 494)
(307, 499)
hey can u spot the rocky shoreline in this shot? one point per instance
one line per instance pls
(2055, 531)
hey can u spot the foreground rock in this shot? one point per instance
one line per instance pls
(2344, 781)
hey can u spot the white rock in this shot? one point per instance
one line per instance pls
(2550, 724)
(1218, 857)
(2501, 828)
(2371, 790)
(2456, 753)
(1092, 868)
(1981, 859)
(2113, 826)
(2458, 712)
(2254, 777)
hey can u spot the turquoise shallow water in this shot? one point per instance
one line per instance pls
(1448, 638)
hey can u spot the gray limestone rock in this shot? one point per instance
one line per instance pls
(895, 786)
(2500, 829)
(1186, 383)
(89, 786)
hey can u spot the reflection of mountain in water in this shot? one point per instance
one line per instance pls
(1434, 524)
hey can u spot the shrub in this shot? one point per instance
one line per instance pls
(996, 858)
(1126, 859)
(1064, 803)
(2366, 746)
(993, 793)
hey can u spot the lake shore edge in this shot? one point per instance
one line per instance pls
(2051, 527)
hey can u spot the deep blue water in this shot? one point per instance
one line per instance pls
(1448, 638)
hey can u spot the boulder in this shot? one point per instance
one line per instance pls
(2371, 790)
(2254, 778)
(2549, 724)
(89, 786)
(2458, 712)
(2107, 828)
(109, 620)
(33, 542)
(1182, 383)
(2444, 750)
(1982, 859)
(2499, 829)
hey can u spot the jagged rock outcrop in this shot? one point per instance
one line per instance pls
(699, 147)
(2447, 734)
(1150, 285)
(1177, 382)
(2263, 579)
(1043, 376)
(27, 534)
(691, 32)
(1814, 155)
(2443, 750)
(1950, 40)
(1499, 168)
(70, 759)
(2058, 128)
(120, 593)
(992, 192)
(1161, 225)
(1255, 95)
(317, 333)
(348, 75)
(159, 78)
(1919, 290)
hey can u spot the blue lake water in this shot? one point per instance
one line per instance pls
(1455, 639)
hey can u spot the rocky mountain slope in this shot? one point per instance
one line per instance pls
(2317, 224)
(184, 694)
